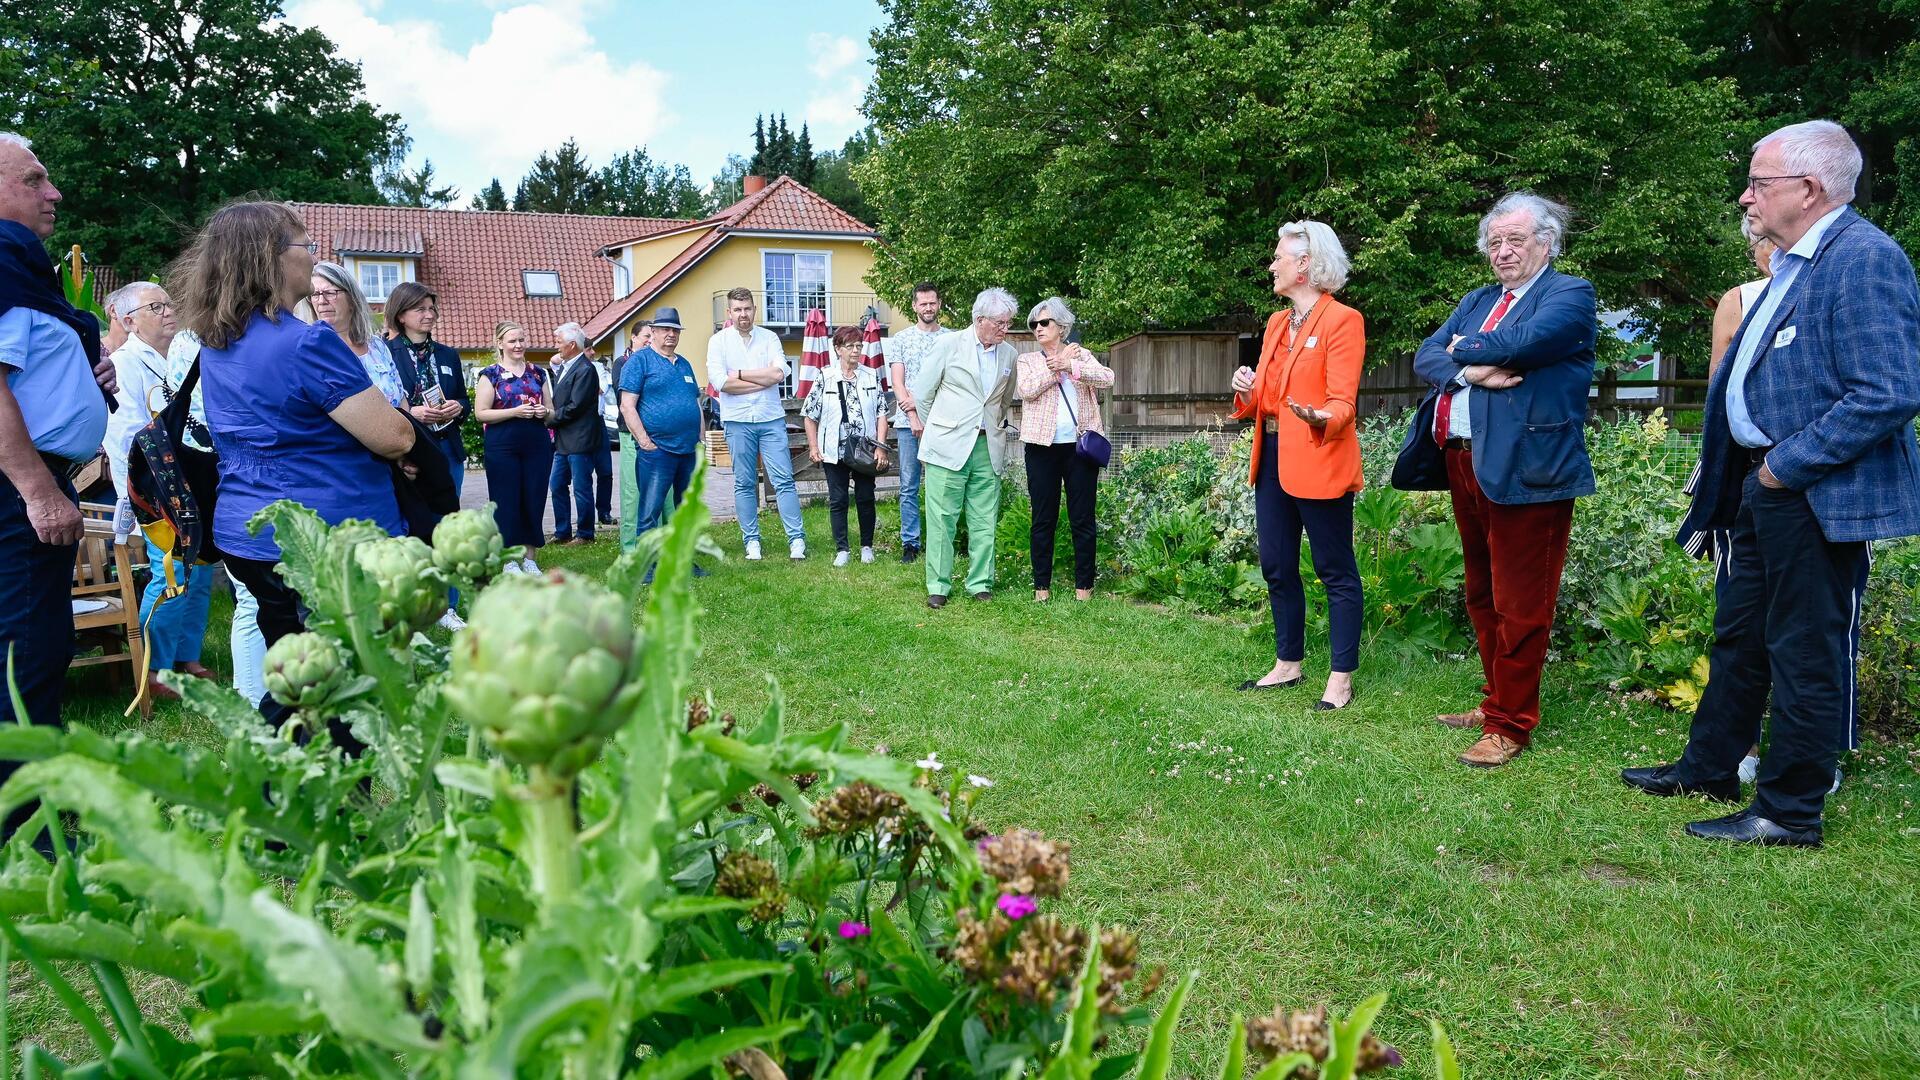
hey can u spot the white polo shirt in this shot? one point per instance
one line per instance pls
(728, 353)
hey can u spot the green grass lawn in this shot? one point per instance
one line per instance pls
(1559, 923)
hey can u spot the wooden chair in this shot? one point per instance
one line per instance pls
(103, 574)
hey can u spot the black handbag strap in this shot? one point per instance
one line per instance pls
(1067, 400)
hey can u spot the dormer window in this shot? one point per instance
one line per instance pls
(540, 283)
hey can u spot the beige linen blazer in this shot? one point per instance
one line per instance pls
(954, 405)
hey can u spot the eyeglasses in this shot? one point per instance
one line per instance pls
(1756, 183)
(1516, 242)
(159, 307)
(312, 246)
(1002, 325)
(1035, 324)
(328, 294)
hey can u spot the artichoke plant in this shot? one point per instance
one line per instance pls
(467, 545)
(412, 592)
(304, 670)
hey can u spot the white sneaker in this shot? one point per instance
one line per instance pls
(753, 551)
(866, 554)
(840, 558)
(797, 549)
(452, 621)
(513, 568)
(529, 565)
(1749, 768)
(1837, 774)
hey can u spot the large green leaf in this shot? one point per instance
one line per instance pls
(1158, 1056)
(902, 1064)
(109, 805)
(455, 894)
(668, 988)
(1445, 1065)
(1344, 1055)
(1234, 1067)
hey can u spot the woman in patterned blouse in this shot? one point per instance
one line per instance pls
(510, 401)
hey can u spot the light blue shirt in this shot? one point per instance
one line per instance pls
(1786, 268)
(986, 364)
(52, 381)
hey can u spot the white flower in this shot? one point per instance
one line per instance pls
(978, 781)
(931, 762)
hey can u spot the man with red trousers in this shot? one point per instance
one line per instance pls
(1511, 367)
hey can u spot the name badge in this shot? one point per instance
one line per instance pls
(1313, 343)
(446, 369)
(1784, 338)
(687, 378)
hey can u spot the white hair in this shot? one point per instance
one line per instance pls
(1053, 308)
(14, 138)
(1327, 263)
(121, 302)
(1549, 219)
(1821, 149)
(573, 332)
(995, 303)
(359, 314)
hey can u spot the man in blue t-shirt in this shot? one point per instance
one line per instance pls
(660, 404)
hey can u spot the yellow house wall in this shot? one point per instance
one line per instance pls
(736, 262)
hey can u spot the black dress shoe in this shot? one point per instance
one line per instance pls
(1256, 684)
(1747, 827)
(983, 595)
(1323, 705)
(1664, 780)
(936, 601)
(909, 553)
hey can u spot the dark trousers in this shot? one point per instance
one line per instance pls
(36, 623)
(575, 471)
(519, 462)
(1514, 556)
(603, 477)
(1280, 520)
(838, 477)
(661, 475)
(1049, 469)
(1786, 621)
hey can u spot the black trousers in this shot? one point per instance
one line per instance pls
(1050, 468)
(1785, 623)
(838, 477)
(36, 624)
(1280, 518)
(281, 614)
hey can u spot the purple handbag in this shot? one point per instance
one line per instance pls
(1091, 444)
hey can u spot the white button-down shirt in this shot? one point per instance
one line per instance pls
(1786, 268)
(1460, 421)
(728, 353)
(986, 364)
(142, 374)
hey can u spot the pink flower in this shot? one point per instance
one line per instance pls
(1017, 907)
(851, 930)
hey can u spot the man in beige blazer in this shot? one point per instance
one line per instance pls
(964, 388)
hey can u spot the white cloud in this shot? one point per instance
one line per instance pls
(534, 80)
(841, 67)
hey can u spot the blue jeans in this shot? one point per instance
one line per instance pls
(909, 485)
(749, 443)
(177, 629)
(661, 475)
(577, 470)
(247, 644)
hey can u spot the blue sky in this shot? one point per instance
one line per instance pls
(485, 86)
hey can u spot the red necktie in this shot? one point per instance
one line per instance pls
(1443, 409)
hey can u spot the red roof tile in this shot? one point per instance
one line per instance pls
(379, 242)
(473, 260)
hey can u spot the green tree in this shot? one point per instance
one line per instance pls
(802, 167)
(1139, 154)
(728, 185)
(491, 197)
(151, 113)
(561, 182)
(834, 175)
(634, 185)
(417, 187)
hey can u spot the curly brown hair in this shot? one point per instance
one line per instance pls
(232, 269)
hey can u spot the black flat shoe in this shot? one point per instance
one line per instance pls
(1323, 705)
(1747, 827)
(1256, 684)
(936, 601)
(1664, 781)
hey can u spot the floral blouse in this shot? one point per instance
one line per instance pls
(513, 391)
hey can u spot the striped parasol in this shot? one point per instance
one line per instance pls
(873, 351)
(815, 352)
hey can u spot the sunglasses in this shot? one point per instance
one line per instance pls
(1035, 324)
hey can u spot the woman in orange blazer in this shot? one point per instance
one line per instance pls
(1306, 453)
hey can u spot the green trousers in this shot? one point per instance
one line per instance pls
(946, 494)
(629, 490)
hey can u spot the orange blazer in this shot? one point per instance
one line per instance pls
(1321, 368)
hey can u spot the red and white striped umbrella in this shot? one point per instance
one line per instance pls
(815, 352)
(873, 351)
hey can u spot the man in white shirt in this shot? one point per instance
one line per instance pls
(905, 352)
(746, 367)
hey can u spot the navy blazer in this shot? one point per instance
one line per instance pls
(1836, 386)
(453, 384)
(1529, 442)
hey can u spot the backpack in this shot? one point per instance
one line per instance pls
(172, 485)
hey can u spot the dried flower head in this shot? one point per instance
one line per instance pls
(1044, 961)
(857, 807)
(976, 943)
(1119, 952)
(698, 712)
(1023, 861)
(746, 876)
(1281, 1032)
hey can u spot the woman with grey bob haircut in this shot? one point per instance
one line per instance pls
(1549, 219)
(338, 302)
(1057, 384)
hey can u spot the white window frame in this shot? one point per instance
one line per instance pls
(403, 271)
(526, 286)
(766, 311)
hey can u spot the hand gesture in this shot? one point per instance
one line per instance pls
(426, 414)
(880, 458)
(1489, 377)
(813, 453)
(1243, 380)
(645, 442)
(1059, 364)
(104, 375)
(918, 427)
(55, 518)
(1311, 416)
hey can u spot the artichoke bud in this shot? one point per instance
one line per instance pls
(547, 669)
(411, 593)
(304, 670)
(467, 545)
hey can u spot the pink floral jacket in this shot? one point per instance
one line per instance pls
(1039, 391)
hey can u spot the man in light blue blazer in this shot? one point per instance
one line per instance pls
(1808, 456)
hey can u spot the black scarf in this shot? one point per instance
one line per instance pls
(28, 280)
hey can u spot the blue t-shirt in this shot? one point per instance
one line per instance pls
(268, 394)
(669, 404)
(52, 380)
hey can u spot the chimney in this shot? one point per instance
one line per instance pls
(753, 185)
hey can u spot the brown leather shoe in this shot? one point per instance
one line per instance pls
(1471, 720)
(159, 691)
(1492, 751)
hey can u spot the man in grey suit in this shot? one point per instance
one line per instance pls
(964, 388)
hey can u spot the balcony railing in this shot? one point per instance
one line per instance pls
(786, 313)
